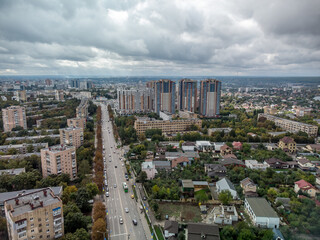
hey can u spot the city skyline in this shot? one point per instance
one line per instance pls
(268, 38)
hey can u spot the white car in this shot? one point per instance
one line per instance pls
(121, 220)
(126, 210)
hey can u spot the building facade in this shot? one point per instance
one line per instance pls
(165, 96)
(291, 126)
(77, 122)
(135, 100)
(72, 136)
(209, 99)
(187, 95)
(82, 109)
(34, 215)
(14, 116)
(168, 127)
(59, 159)
(59, 95)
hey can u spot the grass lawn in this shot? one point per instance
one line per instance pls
(313, 158)
(188, 213)
(158, 232)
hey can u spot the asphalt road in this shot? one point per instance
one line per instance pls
(118, 200)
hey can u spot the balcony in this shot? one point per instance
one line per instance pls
(58, 235)
(23, 225)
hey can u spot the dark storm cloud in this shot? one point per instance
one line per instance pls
(158, 37)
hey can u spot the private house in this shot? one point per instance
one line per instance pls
(188, 146)
(237, 145)
(305, 164)
(284, 201)
(249, 187)
(171, 229)
(166, 165)
(204, 146)
(231, 162)
(226, 185)
(217, 146)
(187, 187)
(254, 164)
(225, 149)
(190, 155)
(305, 187)
(231, 155)
(313, 148)
(197, 231)
(199, 185)
(225, 215)
(277, 163)
(287, 144)
(215, 170)
(182, 161)
(261, 213)
(150, 169)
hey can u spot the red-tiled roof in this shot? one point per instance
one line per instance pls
(287, 140)
(303, 184)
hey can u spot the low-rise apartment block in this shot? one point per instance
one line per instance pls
(291, 126)
(23, 148)
(71, 136)
(261, 213)
(14, 116)
(35, 215)
(77, 122)
(82, 109)
(168, 127)
(59, 159)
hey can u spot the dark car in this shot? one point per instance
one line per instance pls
(134, 222)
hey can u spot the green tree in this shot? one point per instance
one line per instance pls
(82, 199)
(92, 189)
(228, 233)
(225, 197)
(201, 196)
(74, 221)
(246, 234)
(79, 234)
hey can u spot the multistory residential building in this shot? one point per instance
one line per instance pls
(209, 99)
(48, 82)
(167, 127)
(59, 95)
(187, 95)
(291, 126)
(59, 159)
(165, 96)
(34, 215)
(14, 116)
(77, 122)
(135, 100)
(21, 95)
(82, 109)
(72, 136)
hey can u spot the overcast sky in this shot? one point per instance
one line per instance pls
(160, 37)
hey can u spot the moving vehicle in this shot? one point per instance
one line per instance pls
(126, 210)
(107, 194)
(120, 220)
(115, 186)
(125, 187)
(134, 221)
(132, 196)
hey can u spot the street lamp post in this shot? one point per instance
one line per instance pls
(104, 234)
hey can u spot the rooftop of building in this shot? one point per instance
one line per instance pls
(287, 140)
(30, 201)
(13, 171)
(68, 129)
(58, 148)
(261, 207)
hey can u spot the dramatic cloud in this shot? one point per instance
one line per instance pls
(152, 37)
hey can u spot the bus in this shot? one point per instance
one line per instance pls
(125, 187)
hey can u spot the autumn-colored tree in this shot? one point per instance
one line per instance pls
(67, 193)
(99, 229)
(99, 211)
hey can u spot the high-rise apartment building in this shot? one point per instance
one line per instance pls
(135, 100)
(187, 97)
(77, 122)
(209, 99)
(14, 116)
(59, 95)
(74, 83)
(165, 96)
(34, 215)
(71, 136)
(59, 159)
(21, 95)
